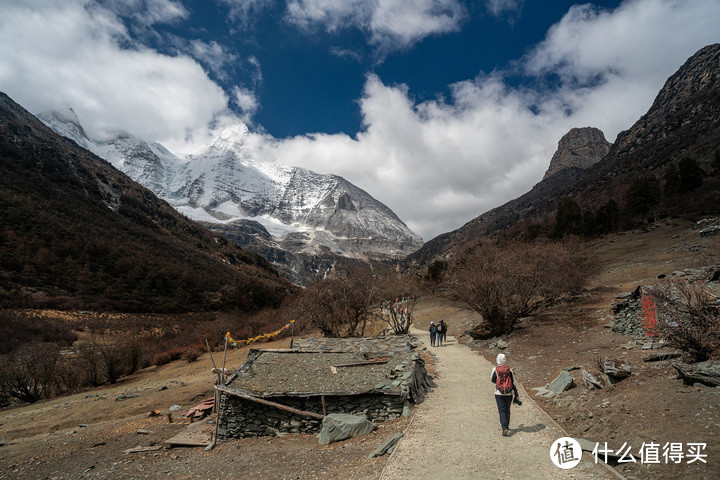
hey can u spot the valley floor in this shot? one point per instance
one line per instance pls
(84, 435)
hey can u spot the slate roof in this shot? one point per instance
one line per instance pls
(306, 370)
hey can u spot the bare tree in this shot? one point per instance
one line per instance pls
(341, 306)
(689, 318)
(401, 294)
(509, 280)
(29, 373)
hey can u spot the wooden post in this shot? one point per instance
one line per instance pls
(222, 373)
(262, 401)
(213, 360)
(292, 333)
(322, 399)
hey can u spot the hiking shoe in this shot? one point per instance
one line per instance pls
(505, 432)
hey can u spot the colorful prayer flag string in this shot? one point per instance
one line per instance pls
(246, 341)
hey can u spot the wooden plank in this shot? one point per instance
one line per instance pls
(139, 449)
(279, 406)
(359, 364)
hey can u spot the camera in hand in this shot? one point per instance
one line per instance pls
(517, 401)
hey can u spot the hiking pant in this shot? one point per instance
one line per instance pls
(503, 404)
(432, 339)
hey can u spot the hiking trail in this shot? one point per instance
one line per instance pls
(455, 433)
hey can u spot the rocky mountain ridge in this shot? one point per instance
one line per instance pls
(580, 148)
(265, 205)
(683, 121)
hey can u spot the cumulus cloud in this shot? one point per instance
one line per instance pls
(77, 54)
(440, 163)
(390, 24)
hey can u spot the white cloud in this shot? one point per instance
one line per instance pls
(148, 12)
(440, 163)
(73, 53)
(501, 7)
(212, 54)
(245, 11)
(246, 100)
(390, 24)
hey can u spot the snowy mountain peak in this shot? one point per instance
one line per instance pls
(66, 123)
(229, 183)
(231, 139)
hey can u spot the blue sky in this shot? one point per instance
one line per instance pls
(441, 109)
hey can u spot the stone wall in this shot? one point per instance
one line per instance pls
(240, 418)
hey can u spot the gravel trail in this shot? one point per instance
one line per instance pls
(456, 432)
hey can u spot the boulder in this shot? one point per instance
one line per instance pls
(502, 344)
(340, 426)
(482, 331)
(707, 373)
(562, 382)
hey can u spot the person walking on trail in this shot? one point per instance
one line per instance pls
(505, 391)
(433, 333)
(441, 331)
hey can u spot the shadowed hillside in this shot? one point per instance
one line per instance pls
(76, 232)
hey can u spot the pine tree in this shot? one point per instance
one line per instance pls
(673, 184)
(691, 174)
(642, 196)
(568, 218)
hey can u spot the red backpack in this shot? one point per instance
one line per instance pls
(504, 379)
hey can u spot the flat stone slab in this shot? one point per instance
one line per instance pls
(386, 446)
(340, 426)
(562, 382)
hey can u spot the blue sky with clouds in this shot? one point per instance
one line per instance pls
(442, 109)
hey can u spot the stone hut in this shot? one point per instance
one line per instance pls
(290, 390)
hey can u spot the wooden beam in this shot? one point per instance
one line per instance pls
(279, 406)
(359, 364)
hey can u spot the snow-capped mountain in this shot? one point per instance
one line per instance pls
(228, 185)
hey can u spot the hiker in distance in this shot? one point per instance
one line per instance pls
(505, 391)
(433, 333)
(441, 331)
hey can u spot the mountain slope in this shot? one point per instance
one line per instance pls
(74, 231)
(683, 121)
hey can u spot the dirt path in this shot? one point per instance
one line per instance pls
(456, 432)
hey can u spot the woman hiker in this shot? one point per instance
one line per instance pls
(433, 333)
(505, 391)
(441, 331)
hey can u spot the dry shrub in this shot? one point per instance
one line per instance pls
(19, 328)
(689, 318)
(29, 374)
(168, 356)
(509, 280)
(192, 352)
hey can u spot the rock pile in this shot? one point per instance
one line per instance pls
(628, 315)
